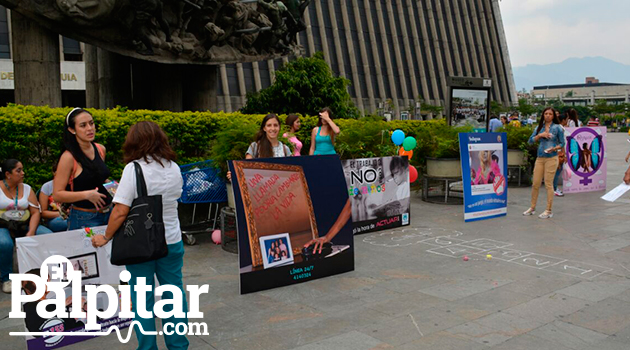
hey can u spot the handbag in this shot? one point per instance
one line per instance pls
(16, 228)
(141, 237)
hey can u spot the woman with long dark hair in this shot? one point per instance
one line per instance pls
(266, 143)
(82, 172)
(573, 121)
(323, 135)
(294, 124)
(550, 136)
(19, 215)
(147, 144)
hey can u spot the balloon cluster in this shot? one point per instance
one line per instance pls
(408, 144)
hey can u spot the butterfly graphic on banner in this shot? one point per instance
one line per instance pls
(585, 158)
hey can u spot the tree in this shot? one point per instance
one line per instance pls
(304, 85)
(496, 108)
(524, 108)
(569, 93)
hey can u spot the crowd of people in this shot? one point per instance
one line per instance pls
(76, 197)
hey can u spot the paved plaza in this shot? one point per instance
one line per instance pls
(560, 283)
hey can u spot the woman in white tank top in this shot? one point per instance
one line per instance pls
(19, 215)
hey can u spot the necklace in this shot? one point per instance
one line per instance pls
(16, 191)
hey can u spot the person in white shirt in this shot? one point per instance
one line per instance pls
(147, 144)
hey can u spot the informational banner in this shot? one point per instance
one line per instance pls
(586, 159)
(284, 205)
(379, 192)
(95, 269)
(484, 173)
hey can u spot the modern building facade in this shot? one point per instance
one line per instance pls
(584, 94)
(394, 52)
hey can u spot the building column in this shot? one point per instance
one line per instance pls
(36, 63)
(114, 79)
(91, 77)
(200, 88)
(157, 86)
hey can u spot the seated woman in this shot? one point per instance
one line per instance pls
(50, 209)
(19, 215)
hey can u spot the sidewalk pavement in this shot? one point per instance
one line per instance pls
(559, 283)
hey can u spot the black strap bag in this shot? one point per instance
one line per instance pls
(141, 237)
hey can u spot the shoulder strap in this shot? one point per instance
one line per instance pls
(101, 151)
(74, 171)
(284, 149)
(141, 185)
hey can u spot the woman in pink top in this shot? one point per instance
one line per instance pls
(293, 121)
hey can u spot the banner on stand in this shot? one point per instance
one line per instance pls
(95, 269)
(379, 192)
(282, 206)
(585, 170)
(484, 173)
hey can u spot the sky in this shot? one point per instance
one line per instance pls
(550, 31)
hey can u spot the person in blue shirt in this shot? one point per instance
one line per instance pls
(494, 124)
(550, 137)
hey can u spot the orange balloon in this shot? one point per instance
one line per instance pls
(402, 152)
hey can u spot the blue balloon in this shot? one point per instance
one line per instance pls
(398, 137)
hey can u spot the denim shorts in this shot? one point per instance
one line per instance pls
(80, 219)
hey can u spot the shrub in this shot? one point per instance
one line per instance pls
(33, 135)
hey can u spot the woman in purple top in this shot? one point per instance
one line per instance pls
(293, 122)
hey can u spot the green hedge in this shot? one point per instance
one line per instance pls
(33, 135)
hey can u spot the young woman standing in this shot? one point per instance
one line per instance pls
(81, 173)
(550, 136)
(323, 135)
(294, 124)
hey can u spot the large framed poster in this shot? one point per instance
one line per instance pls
(484, 173)
(379, 192)
(586, 159)
(284, 205)
(469, 102)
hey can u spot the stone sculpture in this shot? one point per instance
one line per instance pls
(176, 31)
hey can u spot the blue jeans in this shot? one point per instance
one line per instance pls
(557, 179)
(80, 219)
(168, 271)
(6, 251)
(57, 224)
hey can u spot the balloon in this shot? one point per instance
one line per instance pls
(409, 143)
(216, 236)
(413, 174)
(402, 152)
(398, 137)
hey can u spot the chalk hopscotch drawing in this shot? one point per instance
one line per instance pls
(410, 236)
(449, 243)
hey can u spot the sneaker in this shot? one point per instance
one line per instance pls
(546, 214)
(558, 193)
(6, 287)
(530, 211)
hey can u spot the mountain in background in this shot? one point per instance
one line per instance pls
(571, 71)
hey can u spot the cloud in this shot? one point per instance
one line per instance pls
(544, 31)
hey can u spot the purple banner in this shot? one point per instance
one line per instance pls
(585, 170)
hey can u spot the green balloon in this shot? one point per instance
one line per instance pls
(409, 143)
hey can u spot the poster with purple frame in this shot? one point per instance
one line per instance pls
(586, 159)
